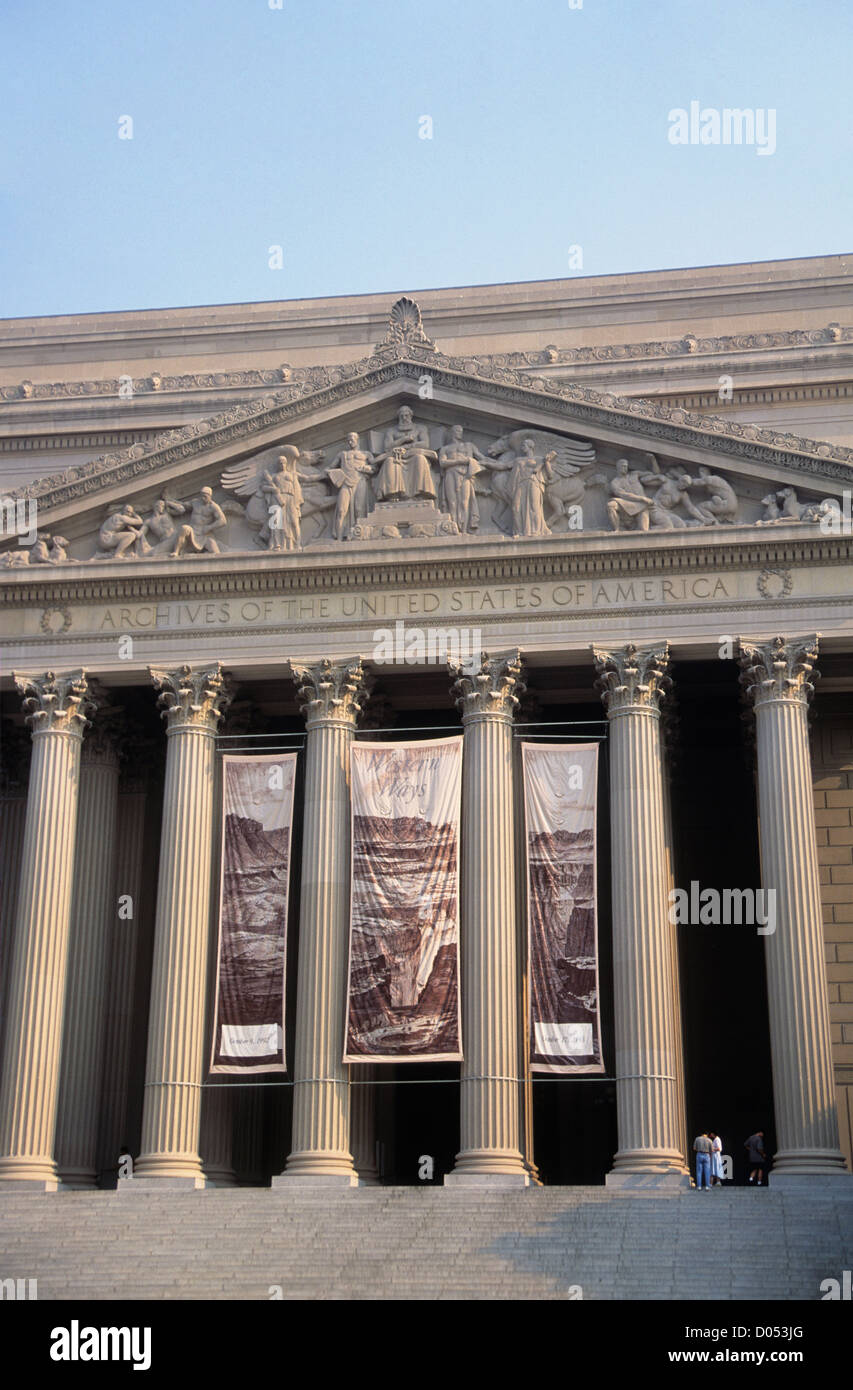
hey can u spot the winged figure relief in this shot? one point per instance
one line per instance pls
(565, 488)
(248, 479)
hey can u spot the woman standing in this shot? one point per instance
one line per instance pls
(716, 1159)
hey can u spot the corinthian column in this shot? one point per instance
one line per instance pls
(56, 709)
(777, 679)
(93, 913)
(649, 1094)
(331, 696)
(489, 1125)
(193, 701)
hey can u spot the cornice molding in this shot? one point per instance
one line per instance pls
(514, 391)
(162, 384)
(228, 575)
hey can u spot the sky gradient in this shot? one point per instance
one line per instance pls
(299, 127)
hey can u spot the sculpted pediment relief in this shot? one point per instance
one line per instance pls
(411, 445)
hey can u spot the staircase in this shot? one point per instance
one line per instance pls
(428, 1243)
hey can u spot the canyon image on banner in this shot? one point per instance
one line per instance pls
(257, 815)
(560, 783)
(403, 994)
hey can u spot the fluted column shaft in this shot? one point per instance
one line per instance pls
(192, 701)
(777, 679)
(122, 950)
(217, 1135)
(331, 696)
(649, 1094)
(363, 1124)
(92, 914)
(57, 709)
(489, 1114)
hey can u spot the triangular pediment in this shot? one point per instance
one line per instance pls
(696, 471)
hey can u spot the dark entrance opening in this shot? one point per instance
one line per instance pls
(723, 982)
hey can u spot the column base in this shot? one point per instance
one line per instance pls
(806, 1185)
(808, 1163)
(324, 1180)
(664, 1182)
(34, 1174)
(489, 1167)
(29, 1185)
(168, 1166)
(455, 1179)
(319, 1167)
(165, 1183)
(220, 1177)
(77, 1180)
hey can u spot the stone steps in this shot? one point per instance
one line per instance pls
(427, 1243)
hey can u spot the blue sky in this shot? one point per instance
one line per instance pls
(257, 127)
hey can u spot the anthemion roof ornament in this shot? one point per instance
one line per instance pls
(405, 327)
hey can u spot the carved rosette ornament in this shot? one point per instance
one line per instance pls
(782, 669)
(192, 697)
(331, 692)
(56, 704)
(633, 678)
(492, 691)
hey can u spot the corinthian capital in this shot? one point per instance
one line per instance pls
(331, 692)
(192, 697)
(492, 690)
(782, 669)
(108, 729)
(56, 704)
(632, 677)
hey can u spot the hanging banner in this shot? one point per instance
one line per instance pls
(403, 995)
(560, 782)
(257, 814)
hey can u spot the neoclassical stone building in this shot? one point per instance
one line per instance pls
(626, 502)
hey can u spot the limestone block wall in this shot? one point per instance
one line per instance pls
(832, 762)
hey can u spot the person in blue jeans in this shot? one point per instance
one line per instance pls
(702, 1147)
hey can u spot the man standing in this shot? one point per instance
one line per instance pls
(754, 1146)
(349, 473)
(702, 1148)
(459, 466)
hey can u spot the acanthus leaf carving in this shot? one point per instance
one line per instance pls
(192, 697)
(781, 669)
(632, 677)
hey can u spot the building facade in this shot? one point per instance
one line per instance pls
(615, 509)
